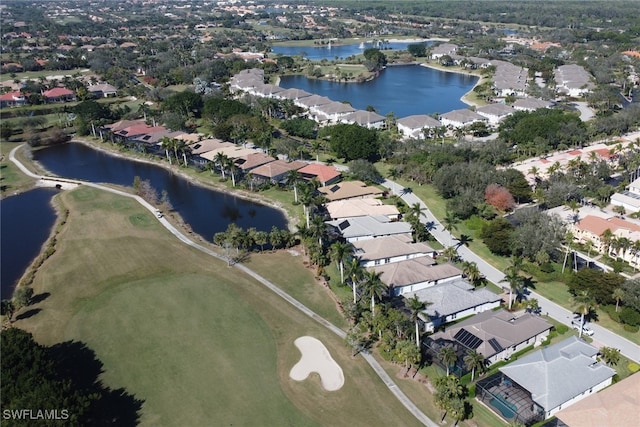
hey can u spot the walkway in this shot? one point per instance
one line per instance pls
(601, 335)
(386, 379)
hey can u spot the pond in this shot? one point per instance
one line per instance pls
(26, 224)
(207, 211)
(403, 90)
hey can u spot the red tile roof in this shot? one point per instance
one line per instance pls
(57, 92)
(11, 96)
(323, 172)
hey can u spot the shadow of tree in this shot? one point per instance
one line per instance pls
(78, 363)
(40, 297)
(27, 314)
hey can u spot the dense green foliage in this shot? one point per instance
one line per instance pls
(600, 285)
(496, 234)
(352, 141)
(62, 377)
(300, 126)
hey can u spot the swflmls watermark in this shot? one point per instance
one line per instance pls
(35, 414)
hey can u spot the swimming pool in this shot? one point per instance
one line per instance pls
(507, 409)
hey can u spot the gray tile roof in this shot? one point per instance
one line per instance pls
(414, 271)
(363, 117)
(558, 373)
(419, 121)
(389, 247)
(453, 297)
(369, 226)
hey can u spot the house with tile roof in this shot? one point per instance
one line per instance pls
(530, 104)
(349, 190)
(559, 375)
(275, 171)
(349, 208)
(13, 99)
(495, 113)
(59, 94)
(415, 274)
(368, 227)
(388, 249)
(443, 49)
(616, 405)
(494, 334)
(573, 80)
(454, 300)
(251, 161)
(102, 90)
(333, 112)
(325, 174)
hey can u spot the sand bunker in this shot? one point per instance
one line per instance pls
(316, 358)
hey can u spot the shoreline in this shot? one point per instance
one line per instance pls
(291, 222)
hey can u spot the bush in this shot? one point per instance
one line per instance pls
(613, 314)
(633, 367)
(471, 391)
(562, 329)
(631, 328)
(629, 316)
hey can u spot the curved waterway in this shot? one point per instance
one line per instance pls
(205, 210)
(26, 224)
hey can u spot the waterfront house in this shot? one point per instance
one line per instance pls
(276, 171)
(348, 208)
(416, 125)
(349, 190)
(368, 119)
(12, 99)
(59, 94)
(495, 113)
(325, 174)
(412, 275)
(461, 118)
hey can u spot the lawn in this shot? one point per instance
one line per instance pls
(11, 179)
(196, 340)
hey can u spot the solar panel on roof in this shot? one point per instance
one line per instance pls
(467, 339)
(495, 345)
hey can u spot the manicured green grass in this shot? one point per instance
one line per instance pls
(198, 341)
(45, 73)
(11, 178)
(297, 280)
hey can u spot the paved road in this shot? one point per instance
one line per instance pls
(601, 335)
(386, 379)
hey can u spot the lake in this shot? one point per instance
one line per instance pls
(318, 53)
(404, 90)
(26, 224)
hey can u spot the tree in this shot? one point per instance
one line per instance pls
(339, 253)
(450, 222)
(416, 306)
(374, 287)
(611, 356)
(582, 304)
(474, 360)
(513, 278)
(472, 273)
(22, 296)
(499, 197)
(532, 305)
(618, 295)
(363, 170)
(448, 356)
(221, 160)
(292, 178)
(496, 234)
(352, 141)
(355, 272)
(463, 240)
(261, 238)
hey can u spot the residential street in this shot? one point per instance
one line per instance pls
(601, 335)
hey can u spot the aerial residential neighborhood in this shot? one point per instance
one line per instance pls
(250, 212)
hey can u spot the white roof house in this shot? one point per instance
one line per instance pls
(573, 80)
(348, 208)
(453, 300)
(368, 119)
(333, 112)
(509, 79)
(369, 227)
(495, 113)
(629, 199)
(413, 126)
(461, 118)
(443, 49)
(384, 250)
(530, 104)
(560, 375)
(292, 94)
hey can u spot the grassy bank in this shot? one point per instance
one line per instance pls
(194, 339)
(12, 180)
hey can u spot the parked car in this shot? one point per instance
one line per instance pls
(585, 329)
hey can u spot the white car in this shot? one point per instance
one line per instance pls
(585, 329)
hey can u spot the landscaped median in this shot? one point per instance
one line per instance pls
(197, 341)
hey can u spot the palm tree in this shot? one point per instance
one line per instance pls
(318, 228)
(450, 253)
(306, 198)
(450, 222)
(448, 356)
(292, 178)
(582, 304)
(463, 240)
(415, 212)
(168, 144)
(374, 287)
(232, 170)
(606, 238)
(513, 278)
(569, 242)
(611, 356)
(355, 271)
(416, 306)
(618, 294)
(184, 149)
(474, 360)
(339, 253)
(472, 273)
(221, 159)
